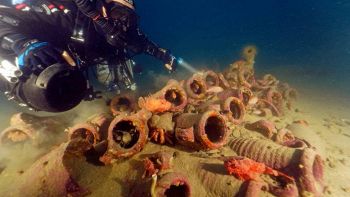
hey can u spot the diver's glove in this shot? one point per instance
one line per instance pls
(35, 56)
(171, 63)
(168, 59)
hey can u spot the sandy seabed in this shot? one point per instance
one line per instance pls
(327, 115)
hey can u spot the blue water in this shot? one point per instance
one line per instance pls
(303, 42)
(307, 41)
(294, 38)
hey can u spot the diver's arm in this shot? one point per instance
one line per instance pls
(139, 43)
(34, 37)
(11, 42)
(55, 28)
(9, 37)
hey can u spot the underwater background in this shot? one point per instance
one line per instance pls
(303, 43)
(307, 43)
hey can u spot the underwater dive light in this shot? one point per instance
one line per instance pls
(186, 65)
(9, 71)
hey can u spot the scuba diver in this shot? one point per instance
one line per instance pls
(50, 49)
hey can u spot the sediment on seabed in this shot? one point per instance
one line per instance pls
(193, 137)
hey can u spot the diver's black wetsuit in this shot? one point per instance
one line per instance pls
(53, 27)
(56, 22)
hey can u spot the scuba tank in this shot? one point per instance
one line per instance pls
(117, 77)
